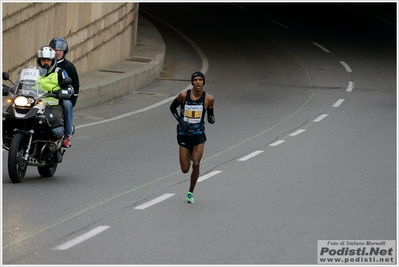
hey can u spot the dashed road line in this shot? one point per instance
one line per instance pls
(346, 66)
(320, 118)
(351, 85)
(321, 47)
(299, 131)
(338, 103)
(279, 142)
(82, 238)
(253, 154)
(154, 201)
(278, 23)
(207, 176)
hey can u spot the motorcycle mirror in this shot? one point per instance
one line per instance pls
(5, 90)
(6, 76)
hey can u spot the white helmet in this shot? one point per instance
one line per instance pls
(46, 52)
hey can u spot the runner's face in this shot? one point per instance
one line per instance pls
(198, 83)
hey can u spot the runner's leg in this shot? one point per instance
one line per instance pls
(184, 155)
(198, 150)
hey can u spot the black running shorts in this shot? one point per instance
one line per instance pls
(190, 141)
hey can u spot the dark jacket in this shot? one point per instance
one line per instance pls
(70, 68)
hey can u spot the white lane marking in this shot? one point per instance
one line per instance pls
(297, 132)
(253, 154)
(82, 238)
(346, 66)
(321, 117)
(207, 176)
(350, 86)
(338, 103)
(128, 114)
(154, 201)
(321, 47)
(279, 142)
(278, 23)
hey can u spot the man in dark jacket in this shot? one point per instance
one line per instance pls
(61, 49)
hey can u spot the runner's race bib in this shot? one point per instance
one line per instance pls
(193, 114)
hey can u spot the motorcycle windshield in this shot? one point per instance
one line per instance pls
(27, 85)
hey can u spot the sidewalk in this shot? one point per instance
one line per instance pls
(139, 70)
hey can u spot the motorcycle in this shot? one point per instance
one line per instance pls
(33, 126)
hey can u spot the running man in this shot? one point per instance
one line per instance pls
(191, 136)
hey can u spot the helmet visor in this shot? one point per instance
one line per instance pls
(60, 45)
(46, 53)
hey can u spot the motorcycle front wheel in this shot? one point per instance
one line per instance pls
(17, 165)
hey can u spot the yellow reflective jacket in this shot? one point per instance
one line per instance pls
(50, 83)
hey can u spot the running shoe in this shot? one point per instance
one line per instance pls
(190, 197)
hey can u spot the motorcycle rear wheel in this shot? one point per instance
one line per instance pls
(48, 170)
(17, 165)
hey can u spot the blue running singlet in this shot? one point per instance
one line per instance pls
(193, 114)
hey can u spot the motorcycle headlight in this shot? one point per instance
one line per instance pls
(23, 101)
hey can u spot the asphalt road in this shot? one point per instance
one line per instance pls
(309, 89)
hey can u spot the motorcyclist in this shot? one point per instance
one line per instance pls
(51, 77)
(60, 47)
